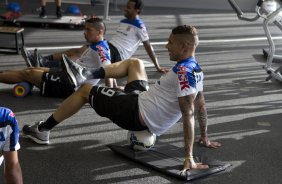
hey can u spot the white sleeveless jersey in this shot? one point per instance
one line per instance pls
(159, 105)
(95, 56)
(129, 35)
(9, 131)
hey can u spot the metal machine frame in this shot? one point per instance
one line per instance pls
(274, 17)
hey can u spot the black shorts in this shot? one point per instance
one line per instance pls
(120, 107)
(56, 84)
(115, 55)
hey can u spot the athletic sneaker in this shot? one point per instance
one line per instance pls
(75, 72)
(59, 13)
(42, 13)
(28, 57)
(32, 132)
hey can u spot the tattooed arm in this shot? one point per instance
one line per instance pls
(187, 109)
(200, 108)
(201, 113)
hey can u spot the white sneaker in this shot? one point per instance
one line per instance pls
(75, 72)
(32, 132)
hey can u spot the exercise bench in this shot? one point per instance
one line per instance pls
(16, 31)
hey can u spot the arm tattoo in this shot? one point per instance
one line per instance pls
(187, 109)
(201, 114)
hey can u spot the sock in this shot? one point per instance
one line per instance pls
(48, 124)
(97, 73)
(43, 8)
(58, 8)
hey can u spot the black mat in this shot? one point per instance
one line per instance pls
(168, 159)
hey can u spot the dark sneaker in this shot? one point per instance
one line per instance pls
(28, 57)
(59, 14)
(42, 14)
(75, 72)
(32, 132)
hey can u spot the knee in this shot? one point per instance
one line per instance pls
(27, 73)
(136, 63)
(84, 91)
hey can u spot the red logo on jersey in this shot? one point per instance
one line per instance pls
(182, 77)
(12, 114)
(101, 53)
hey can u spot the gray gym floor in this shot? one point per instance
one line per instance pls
(244, 111)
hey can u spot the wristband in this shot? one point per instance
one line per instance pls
(188, 158)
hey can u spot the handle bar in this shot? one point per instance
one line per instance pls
(239, 12)
(236, 8)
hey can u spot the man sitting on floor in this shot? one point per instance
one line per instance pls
(179, 93)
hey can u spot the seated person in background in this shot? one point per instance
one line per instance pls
(130, 33)
(53, 82)
(9, 145)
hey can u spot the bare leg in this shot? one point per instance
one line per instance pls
(32, 75)
(58, 2)
(73, 103)
(132, 68)
(43, 2)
